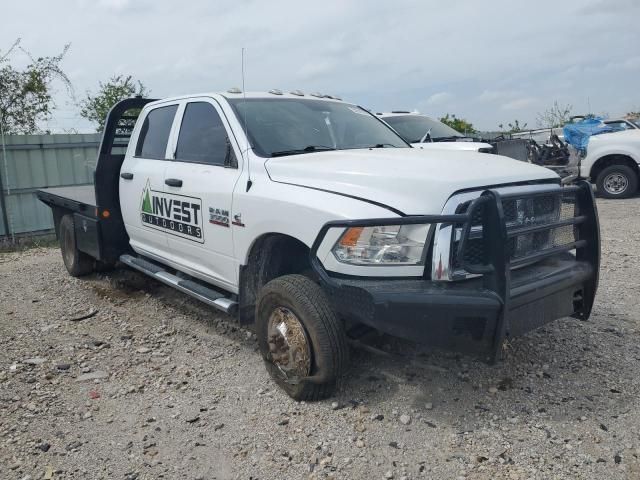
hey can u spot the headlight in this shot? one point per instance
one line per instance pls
(384, 245)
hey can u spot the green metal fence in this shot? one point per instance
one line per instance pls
(30, 162)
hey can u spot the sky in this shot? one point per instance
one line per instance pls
(489, 62)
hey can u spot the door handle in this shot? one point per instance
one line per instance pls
(127, 175)
(173, 182)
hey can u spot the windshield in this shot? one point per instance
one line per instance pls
(414, 127)
(289, 126)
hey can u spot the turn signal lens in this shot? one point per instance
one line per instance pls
(351, 236)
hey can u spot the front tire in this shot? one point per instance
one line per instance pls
(301, 340)
(76, 262)
(617, 181)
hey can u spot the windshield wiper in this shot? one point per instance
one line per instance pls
(298, 151)
(426, 136)
(383, 145)
(449, 139)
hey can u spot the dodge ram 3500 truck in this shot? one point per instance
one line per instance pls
(312, 220)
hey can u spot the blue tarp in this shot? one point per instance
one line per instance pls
(577, 134)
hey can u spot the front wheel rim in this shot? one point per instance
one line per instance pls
(615, 183)
(289, 348)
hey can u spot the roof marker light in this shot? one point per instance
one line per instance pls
(316, 94)
(234, 90)
(275, 91)
(299, 93)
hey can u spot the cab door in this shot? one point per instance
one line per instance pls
(141, 183)
(202, 178)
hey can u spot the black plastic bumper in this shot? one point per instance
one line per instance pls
(477, 315)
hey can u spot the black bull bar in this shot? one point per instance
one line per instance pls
(495, 271)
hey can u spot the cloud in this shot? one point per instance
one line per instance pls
(610, 7)
(519, 103)
(439, 98)
(117, 5)
(492, 96)
(313, 70)
(378, 54)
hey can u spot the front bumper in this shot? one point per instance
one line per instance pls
(477, 315)
(464, 316)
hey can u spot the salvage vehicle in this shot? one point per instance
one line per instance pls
(311, 221)
(424, 132)
(553, 153)
(608, 156)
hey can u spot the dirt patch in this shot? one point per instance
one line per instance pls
(156, 385)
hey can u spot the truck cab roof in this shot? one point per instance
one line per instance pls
(237, 93)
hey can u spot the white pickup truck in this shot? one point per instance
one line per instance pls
(612, 162)
(314, 222)
(427, 133)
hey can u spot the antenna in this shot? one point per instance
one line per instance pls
(246, 134)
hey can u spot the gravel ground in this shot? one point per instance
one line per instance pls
(155, 385)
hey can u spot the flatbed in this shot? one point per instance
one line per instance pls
(81, 198)
(97, 218)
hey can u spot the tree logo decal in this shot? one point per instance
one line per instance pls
(146, 199)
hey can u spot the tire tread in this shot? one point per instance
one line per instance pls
(627, 170)
(332, 341)
(83, 264)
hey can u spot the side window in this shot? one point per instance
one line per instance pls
(154, 134)
(203, 137)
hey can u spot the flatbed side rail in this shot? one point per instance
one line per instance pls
(497, 264)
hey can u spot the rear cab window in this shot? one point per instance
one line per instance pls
(154, 133)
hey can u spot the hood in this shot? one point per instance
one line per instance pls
(410, 180)
(632, 135)
(466, 146)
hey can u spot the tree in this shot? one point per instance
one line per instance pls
(556, 116)
(25, 94)
(459, 124)
(95, 107)
(514, 127)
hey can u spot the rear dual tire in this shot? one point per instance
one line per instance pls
(301, 340)
(77, 263)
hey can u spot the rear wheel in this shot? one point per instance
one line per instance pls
(301, 340)
(617, 181)
(76, 262)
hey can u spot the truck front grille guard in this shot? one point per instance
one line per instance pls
(496, 267)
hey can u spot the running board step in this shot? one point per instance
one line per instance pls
(196, 290)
